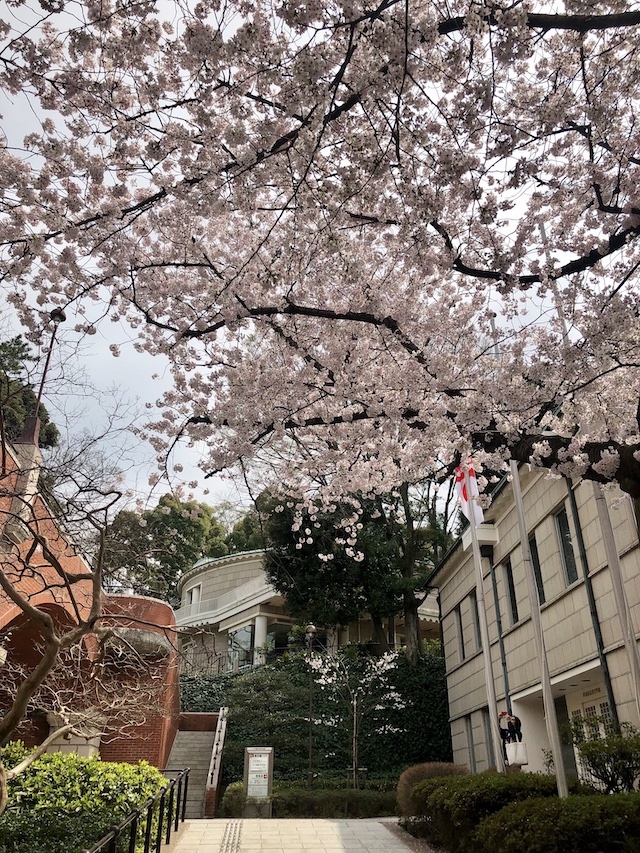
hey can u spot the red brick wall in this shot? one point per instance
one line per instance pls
(195, 722)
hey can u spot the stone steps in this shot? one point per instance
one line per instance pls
(193, 750)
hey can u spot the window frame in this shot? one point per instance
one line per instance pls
(537, 568)
(511, 591)
(565, 543)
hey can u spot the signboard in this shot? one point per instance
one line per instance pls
(258, 778)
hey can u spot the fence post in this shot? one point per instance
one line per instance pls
(160, 821)
(170, 812)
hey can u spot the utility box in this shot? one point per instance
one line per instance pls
(258, 780)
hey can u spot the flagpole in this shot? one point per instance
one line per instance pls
(484, 631)
(550, 717)
(617, 585)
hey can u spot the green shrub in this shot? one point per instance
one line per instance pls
(412, 775)
(233, 800)
(579, 824)
(449, 810)
(613, 760)
(345, 803)
(13, 753)
(205, 693)
(63, 803)
(298, 802)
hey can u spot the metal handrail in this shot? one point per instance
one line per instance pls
(176, 791)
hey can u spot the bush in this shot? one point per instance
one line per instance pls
(63, 803)
(412, 775)
(233, 800)
(13, 753)
(614, 760)
(595, 824)
(452, 808)
(299, 802)
(205, 693)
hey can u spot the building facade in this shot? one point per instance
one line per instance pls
(239, 619)
(39, 560)
(584, 635)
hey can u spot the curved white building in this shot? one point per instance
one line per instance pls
(238, 617)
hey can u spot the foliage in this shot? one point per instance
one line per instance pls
(417, 773)
(299, 802)
(246, 534)
(612, 758)
(326, 214)
(17, 397)
(594, 824)
(65, 799)
(361, 556)
(399, 727)
(13, 753)
(152, 550)
(205, 693)
(448, 810)
(268, 706)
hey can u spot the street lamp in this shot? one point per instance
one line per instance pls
(310, 633)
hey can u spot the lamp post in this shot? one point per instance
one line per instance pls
(309, 635)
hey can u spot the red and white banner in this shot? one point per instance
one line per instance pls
(467, 491)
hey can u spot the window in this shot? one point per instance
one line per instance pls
(535, 562)
(193, 595)
(470, 744)
(473, 598)
(511, 591)
(460, 632)
(566, 547)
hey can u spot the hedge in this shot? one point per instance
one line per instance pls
(64, 803)
(449, 810)
(579, 824)
(292, 802)
(410, 777)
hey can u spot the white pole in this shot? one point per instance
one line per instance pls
(484, 632)
(615, 573)
(550, 716)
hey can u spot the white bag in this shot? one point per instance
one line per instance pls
(517, 753)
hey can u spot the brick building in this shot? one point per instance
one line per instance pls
(123, 654)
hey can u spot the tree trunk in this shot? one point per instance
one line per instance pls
(415, 650)
(3, 788)
(379, 635)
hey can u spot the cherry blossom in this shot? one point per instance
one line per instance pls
(369, 237)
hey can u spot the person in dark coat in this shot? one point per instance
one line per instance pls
(514, 729)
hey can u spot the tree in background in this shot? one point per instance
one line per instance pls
(17, 397)
(247, 533)
(365, 556)
(150, 551)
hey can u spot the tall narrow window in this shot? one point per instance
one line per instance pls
(470, 744)
(460, 632)
(535, 562)
(511, 592)
(566, 546)
(473, 598)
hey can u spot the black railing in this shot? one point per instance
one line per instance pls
(152, 823)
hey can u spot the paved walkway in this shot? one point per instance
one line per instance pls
(278, 835)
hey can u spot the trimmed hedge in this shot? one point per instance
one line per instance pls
(64, 803)
(448, 811)
(410, 777)
(311, 802)
(579, 824)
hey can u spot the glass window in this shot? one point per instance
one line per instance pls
(535, 562)
(241, 645)
(476, 618)
(460, 633)
(193, 595)
(470, 744)
(566, 546)
(511, 592)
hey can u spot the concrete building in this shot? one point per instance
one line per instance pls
(584, 635)
(237, 616)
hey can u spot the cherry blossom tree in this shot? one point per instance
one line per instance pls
(369, 237)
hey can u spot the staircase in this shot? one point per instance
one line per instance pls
(193, 749)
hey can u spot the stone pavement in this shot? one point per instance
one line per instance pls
(278, 835)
